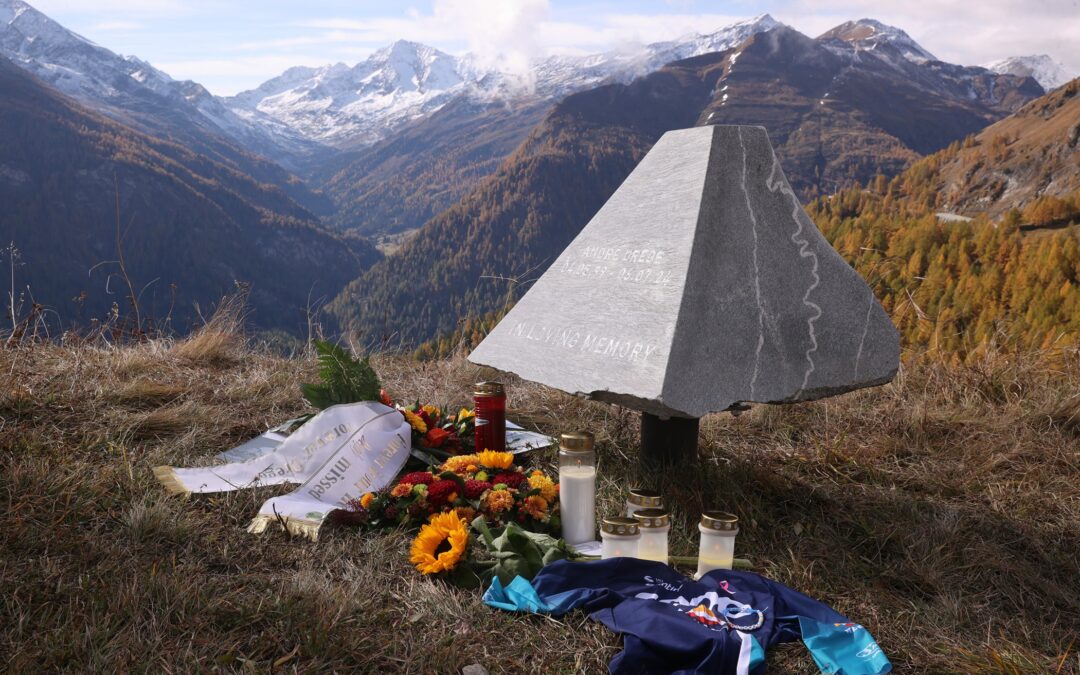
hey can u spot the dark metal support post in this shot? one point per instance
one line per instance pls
(670, 441)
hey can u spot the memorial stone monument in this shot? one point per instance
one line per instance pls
(700, 286)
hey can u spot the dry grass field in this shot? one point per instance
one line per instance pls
(942, 511)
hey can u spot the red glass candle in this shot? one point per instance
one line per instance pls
(490, 399)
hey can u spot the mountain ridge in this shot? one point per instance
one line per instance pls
(66, 171)
(517, 219)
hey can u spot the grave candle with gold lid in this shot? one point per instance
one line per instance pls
(620, 536)
(717, 547)
(654, 525)
(577, 487)
(642, 498)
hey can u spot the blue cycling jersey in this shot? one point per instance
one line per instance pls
(722, 623)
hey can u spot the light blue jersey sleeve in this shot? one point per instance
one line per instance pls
(843, 649)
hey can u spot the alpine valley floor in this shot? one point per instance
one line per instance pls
(942, 511)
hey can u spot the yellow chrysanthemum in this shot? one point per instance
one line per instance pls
(366, 499)
(440, 545)
(432, 410)
(459, 464)
(415, 421)
(499, 501)
(536, 506)
(494, 460)
(546, 486)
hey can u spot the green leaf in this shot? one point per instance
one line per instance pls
(344, 378)
(517, 552)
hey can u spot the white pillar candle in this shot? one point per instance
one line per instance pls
(716, 549)
(577, 487)
(577, 503)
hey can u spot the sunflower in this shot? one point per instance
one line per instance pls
(440, 545)
(495, 460)
(546, 486)
(415, 421)
(459, 463)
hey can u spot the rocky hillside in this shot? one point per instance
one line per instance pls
(1032, 153)
(189, 225)
(400, 183)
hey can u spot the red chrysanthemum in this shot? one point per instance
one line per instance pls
(418, 478)
(475, 488)
(440, 491)
(512, 479)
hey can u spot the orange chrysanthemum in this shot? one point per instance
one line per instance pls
(536, 506)
(366, 499)
(466, 513)
(401, 490)
(441, 544)
(499, 501)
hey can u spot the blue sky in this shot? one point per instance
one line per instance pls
(231, 45)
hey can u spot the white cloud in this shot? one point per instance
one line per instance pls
(105, 6)
(228, 76)
(112, 26)
(499, 33)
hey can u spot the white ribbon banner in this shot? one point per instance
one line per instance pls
(337, 456)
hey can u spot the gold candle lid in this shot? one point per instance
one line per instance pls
(720, 520)
(577, 441)
(620, 525)
(488, 389)
(650, 518)
(643, 497)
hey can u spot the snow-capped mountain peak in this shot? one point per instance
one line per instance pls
(870, 35)
(126, 87)
(410, 66)
(1047, 72)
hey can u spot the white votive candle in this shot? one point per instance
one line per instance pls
(654, 525)
(620, 538)
(577, 487)
(716, 549)
(640, 498)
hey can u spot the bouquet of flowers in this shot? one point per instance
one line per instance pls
(486, 484)
(435, 431)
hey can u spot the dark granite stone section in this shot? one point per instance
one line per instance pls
(700, 284)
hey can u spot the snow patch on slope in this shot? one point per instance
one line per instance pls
(1047, 72)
